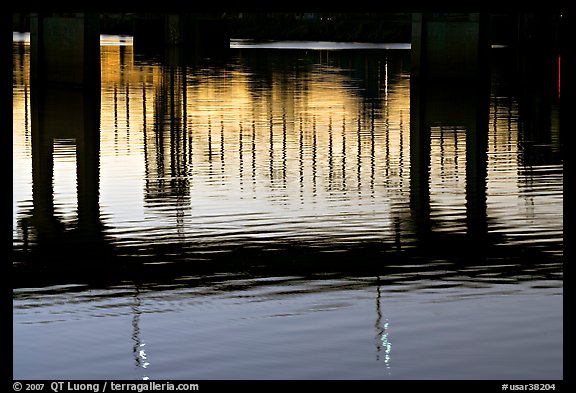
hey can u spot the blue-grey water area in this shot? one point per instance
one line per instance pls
(288, 211)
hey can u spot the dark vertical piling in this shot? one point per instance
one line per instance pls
(450, 87)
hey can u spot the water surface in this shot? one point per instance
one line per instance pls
(286, 212)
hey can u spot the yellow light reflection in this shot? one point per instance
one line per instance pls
(284, 139)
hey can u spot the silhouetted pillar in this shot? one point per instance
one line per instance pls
(65, 49)
(449, 45)
(65, 83)
(42, 168)
(449, 102)
(66, 113)
(450, 87)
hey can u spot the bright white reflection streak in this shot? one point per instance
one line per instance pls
(138, 349)
(382, 331)
(386, 345)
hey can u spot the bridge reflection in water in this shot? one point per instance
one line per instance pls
(211, 199)
(312, 159)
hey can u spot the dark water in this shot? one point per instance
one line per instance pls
(286, 213)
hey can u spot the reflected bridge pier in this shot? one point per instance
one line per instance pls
(69, 111)
(65, 116)
(449, 91)
(62, 117)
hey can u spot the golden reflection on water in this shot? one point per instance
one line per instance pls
(219, 135)
(235, 140)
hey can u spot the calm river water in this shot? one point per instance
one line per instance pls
(290, 211)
